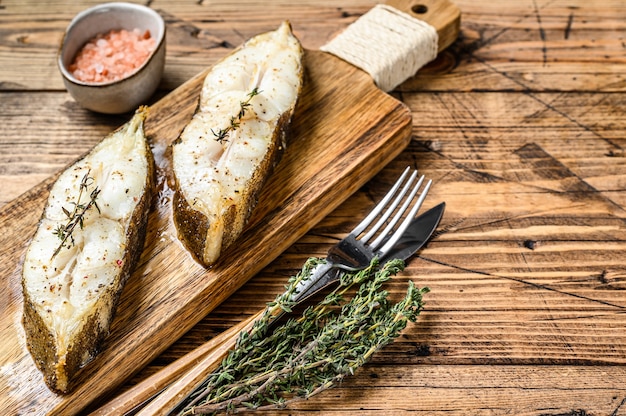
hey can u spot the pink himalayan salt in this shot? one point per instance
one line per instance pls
(112, 56)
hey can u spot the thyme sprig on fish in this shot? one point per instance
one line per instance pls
(76, 216)
(308, 355)
(235, 121)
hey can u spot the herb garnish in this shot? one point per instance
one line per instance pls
(308, 355)
(77, 215)
(235, 121)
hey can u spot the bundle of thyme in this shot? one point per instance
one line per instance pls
(310, 354)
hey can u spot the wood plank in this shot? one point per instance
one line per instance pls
(583, 131)
(523, 45)
(51, 139)
(528, 45)
(198, 34)
(42, 133)
(395, 388)
(476, 390)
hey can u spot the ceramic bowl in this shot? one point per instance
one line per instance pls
(123, 95)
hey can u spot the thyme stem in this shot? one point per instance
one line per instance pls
(235, 121)
(77, 216)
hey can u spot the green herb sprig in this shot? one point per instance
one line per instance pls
(308, 355)
(235, 121)
(76, 216)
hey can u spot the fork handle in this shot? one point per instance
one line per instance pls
(319, 278)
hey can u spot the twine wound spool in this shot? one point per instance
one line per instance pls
(388, 44)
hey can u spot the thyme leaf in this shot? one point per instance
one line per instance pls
(76, 216)
(235, 121)
(312, 353)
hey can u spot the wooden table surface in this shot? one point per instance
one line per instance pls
(522, 125)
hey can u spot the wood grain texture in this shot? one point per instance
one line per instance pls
(520, 122)
(169, 292)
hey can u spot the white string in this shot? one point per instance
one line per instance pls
(388, 44)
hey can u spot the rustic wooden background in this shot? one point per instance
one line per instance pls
(522, 125)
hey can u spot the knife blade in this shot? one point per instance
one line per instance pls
(417, 234)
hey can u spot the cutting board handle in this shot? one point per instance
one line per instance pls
(391, 42)
(443, 15)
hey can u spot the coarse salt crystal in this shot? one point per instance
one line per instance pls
(112, 56)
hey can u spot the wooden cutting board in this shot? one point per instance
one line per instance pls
(344, 131)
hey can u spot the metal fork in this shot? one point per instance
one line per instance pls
(365, 241)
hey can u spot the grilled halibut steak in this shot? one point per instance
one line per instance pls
(89, 239)
(228, 149)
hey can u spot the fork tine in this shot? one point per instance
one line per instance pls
(407, 220)
(374, 245)
(378, 208)
(390, 210)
